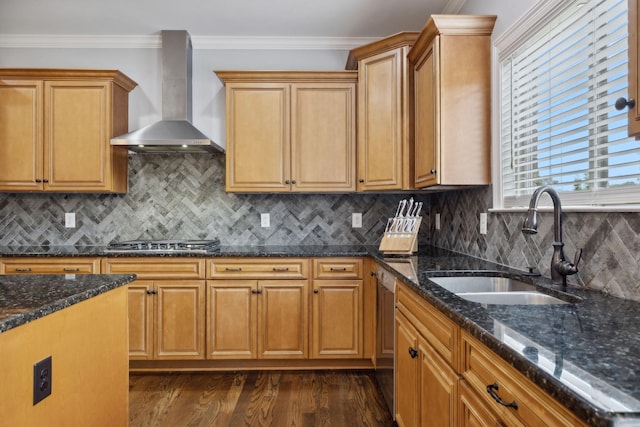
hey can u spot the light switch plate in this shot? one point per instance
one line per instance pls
(265, 220)
(483, 223)
(356, 220)
(70, 220)
(437, 221)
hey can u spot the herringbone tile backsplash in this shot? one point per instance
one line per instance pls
(610, 241)
(182, 196)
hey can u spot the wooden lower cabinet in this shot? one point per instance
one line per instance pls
(337, 320)
(263, 319)
(64, 265)
(166, 320)
(475, 413)
(426, 386)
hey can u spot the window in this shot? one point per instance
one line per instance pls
(558, 125)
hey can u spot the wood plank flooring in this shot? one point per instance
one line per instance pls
(258, 398)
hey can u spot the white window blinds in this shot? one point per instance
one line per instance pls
(558, 121)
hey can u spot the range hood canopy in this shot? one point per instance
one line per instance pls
(174, 133)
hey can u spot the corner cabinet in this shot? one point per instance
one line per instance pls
(55, 130)
(385, 133)
(452, 107)
(290, 131)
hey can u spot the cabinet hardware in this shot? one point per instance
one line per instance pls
(38, 180)
(286, 181)
(45, 180)
(254, 291)
(413, 352)
(433, 171)
(280, 269)
(373, 273)
(70, 270)
(293, 181)
(23, 270)
(361, 181)
(492, 388)
(621, 103)
(152, 292)
(233, 269)
(338, 269)
(315, 291)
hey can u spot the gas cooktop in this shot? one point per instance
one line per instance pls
(163, 246)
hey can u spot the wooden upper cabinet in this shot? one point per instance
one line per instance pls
(55, 130)
(634, 66)
(452, 106)
(290, 131)
(385, 141)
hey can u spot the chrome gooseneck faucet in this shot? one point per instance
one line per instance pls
(560, 267)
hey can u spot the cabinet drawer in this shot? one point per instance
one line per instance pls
(50, 266)
(251, 268)
(482, 368)
(440, 331)
(337, 268)
(156, 267)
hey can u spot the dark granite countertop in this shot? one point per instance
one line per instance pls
(585, 354)
(25, 298)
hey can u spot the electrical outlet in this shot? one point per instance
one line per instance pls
(41, 379)
(437, 221)
(483, 223)
(265, 220)
(356, 220)
(70, 220)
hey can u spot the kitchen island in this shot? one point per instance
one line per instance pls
(80, 321)
(585, 355)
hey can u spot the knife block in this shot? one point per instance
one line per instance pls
(401, 242)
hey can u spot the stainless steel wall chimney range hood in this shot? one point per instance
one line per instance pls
(174, 133)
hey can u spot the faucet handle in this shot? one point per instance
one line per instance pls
(577, 258)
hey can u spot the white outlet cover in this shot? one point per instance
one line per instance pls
(437, 221)
(356, 220)
(265, 220)
(483, 223)
(70, 219)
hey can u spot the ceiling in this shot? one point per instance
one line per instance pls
(219, 18)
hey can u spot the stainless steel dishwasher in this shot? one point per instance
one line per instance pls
(385, 336)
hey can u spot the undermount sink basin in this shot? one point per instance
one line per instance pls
(464, 284)
(511, 298)
(495, 290)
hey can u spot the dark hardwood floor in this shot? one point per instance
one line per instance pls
(265, 398)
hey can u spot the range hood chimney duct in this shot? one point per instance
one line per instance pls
(174, 133)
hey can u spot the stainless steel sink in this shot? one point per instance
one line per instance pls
(495, 290)
(511, 298)
(464, 284)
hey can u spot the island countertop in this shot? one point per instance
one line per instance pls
(25, 298)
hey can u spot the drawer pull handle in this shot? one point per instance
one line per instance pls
(338, 269)
(281, 269)
(151, 292)
(413, 352)
(233, 269)
(492, 388)
(70, 270)
(23, 270)
(256, 291)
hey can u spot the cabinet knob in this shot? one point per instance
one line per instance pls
(361, 181)
(151, 291)
(315, 291)
(38, 180)
(622, 103)
(256, 291)
(45, 180)
(293, 181)
(286, 181)
(413, 352)
(433, 171)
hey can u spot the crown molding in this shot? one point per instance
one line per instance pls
(24, 41)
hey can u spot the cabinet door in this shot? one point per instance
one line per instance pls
(231, 319)
(337, 319)
(179, 319)
(258, 139)
(383, 131)
(282, 319)
(20, 135)
(438, 388)
(634, 67)
(474, 413)
(407, 384)
(76, 135)
(323, 136)
(426, 84)
(140, 320)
